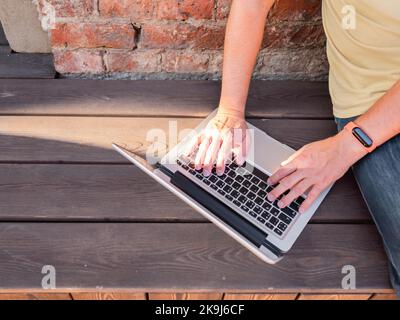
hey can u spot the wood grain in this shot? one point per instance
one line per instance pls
(184, 257)
(89, 139)
(27, 66)
(311, 296)
(35, 296)
(288, 99)
(384, 296)
(54, 192)
(257, 296)
(107, 296)
(185, 296)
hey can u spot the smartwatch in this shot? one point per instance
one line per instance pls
(361, 136)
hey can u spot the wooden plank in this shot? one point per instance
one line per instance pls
(385, 296)
(255, 296)
(27, 65)
(185, 296)
(123, 193)
(35, 296)
(184, 257)
(5, 49)
(267, 99)
(354, 296)
(107, 296)
(89, 139)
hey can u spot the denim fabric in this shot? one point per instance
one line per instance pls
(378, 177)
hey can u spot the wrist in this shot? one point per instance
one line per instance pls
(237, 112)
(350, 149)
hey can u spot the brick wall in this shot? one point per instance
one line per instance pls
(178, 39)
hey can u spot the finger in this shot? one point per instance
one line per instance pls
(201, 153)
(286, 184)
(211, 154)
(311, 197)
(295, 192)
(224, 154)
(193, 144)
(281, 173)
(239, 146)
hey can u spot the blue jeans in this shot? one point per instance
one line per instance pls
(378, 177)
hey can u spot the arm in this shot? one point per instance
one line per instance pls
(317, 165)
(226, 133)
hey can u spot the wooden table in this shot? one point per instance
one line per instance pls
(69, 201)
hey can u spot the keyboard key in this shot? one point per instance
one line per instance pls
(207, 182)
(262, 220)
(243, 190)
(289, 212)
(295, 206)
(284, 218)
(274, 211)
(242, 199)
(199, 176)
(266, 206)
(254, 188)
(255, 180)
(269, 189)
(259, 201)
(237, 203)
(213, 178)
(254, 215)
(247, 183)
(258, 210)
(274, 221)
(263, 185)
(299, 200)
(262, 194)
(239, 179)
(228, 180)
(227, 188)
(221, 192)
(244, 208)
(229, 197)
(269, 226)
(235, 194)
(278, 232)
(265, 214)
(220, 184)
(250, 204)
(236, 185)
(241, 171)
(184, 166)
(251, 196)
(231, 174)
(193, 172)
(282, 226)
(214, 187)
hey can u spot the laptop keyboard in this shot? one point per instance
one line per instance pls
(246, 191)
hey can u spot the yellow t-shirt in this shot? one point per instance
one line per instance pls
(363, 47)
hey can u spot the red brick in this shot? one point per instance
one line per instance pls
(295, 10)
(182, 35)
(185, 62)
(72, 8)
(78, 61)
(134, 9)
(223, 8)
(185, 9)
(132, 61)
(86, 35)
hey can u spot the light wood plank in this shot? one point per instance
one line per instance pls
(107, 296)
(384, 296)
(257, 296)
(289, 99)
(312, 296)
(35, 296)
(185, 296)
(27, 66)
(123, 193)
(184, 257)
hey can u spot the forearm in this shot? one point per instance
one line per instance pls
(244, 33)
(381, 122)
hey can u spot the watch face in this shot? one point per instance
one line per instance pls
(362, 137)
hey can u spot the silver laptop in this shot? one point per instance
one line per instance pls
(236, 201)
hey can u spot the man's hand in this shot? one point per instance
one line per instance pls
(314, 167)
(225, 135)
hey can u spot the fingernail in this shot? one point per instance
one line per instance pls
(271, 197)
(280, 204)
(206, 173)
